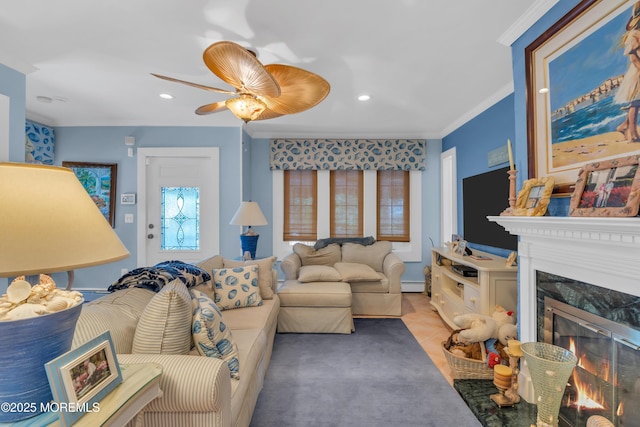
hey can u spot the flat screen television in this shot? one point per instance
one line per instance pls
(486, 194)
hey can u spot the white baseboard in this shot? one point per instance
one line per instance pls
(412, 286)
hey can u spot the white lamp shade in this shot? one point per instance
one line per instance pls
(248, 214)
(49, 223)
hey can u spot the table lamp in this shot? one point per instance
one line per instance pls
(249, 214)
(48, 223)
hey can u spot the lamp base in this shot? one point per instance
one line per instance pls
(249, 243)
(30, 343)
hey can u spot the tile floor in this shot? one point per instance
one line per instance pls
(427, 327)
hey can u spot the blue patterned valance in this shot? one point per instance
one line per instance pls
(39, 142)
(360, 154)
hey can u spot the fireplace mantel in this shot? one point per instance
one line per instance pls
(602, 251)
(617, 231)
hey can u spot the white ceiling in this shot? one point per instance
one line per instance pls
(428, 65)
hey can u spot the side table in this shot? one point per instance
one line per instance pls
(140, 385)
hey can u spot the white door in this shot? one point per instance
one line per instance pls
(448, 195)
(178, 199)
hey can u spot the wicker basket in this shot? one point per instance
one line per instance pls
(464, 368)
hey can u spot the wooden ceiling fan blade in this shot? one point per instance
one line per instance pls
(196, 85)
(300, 89)
(211, 108)
(236, 66)
(267, 114)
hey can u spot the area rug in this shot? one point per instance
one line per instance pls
(377, 376)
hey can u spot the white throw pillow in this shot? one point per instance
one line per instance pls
(236, 287)
(318, 273)
(354, 272)
(212, 338)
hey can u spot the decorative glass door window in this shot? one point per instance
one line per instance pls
(180, 219)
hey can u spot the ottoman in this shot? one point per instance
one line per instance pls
(317, 307)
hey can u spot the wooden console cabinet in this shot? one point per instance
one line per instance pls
(453, 294)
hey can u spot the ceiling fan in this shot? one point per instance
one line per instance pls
(262, 91)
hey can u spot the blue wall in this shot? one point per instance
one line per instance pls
(106, 145)
(473, 141)
(13, 85)
(258, 178)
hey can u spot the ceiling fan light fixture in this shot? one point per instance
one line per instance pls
(246, 107)
(261, 91)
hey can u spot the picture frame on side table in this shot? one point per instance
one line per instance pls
(608, 188)
(461, 247)
(578, 105)
(99, 179)
(80, 378)
(533, 199)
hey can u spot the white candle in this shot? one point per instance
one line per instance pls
(511, 167)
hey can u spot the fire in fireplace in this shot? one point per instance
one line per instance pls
(606, 380)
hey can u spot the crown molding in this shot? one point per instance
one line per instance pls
(292, 133)
(478, 109)
(528, 18)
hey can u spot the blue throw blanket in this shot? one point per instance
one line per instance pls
(154, 278)
(365, 241)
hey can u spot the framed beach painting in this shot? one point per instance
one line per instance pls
(99, 179)
(583, 90)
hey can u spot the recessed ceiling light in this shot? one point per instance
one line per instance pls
(166, 96)
(364, 98)
(543, 90)
(45, 99)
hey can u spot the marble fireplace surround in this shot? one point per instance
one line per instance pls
(602, 251)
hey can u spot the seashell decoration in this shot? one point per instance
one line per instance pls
(23, 300)
(18, 291)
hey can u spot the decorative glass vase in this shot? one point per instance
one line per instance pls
(550, 367)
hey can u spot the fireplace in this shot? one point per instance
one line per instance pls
(590, 267)
(606, 380)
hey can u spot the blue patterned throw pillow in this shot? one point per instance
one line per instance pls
(211, 336)
(236, 287)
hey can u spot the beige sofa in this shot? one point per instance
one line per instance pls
(323, 286)
(197, 390)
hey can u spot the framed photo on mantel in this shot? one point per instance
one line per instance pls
(534, 197)
(609, 188)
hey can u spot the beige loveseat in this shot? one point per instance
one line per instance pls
(197, 390)
(338, 279)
